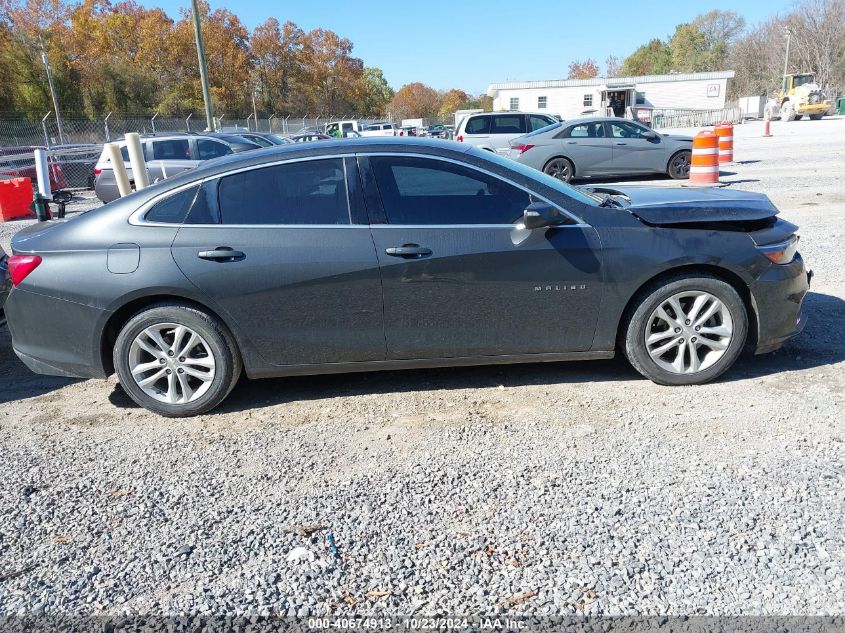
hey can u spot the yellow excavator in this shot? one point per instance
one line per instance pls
(799, 95)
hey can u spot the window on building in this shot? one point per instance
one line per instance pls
(541, 103)
(514, 103)
(588, 100)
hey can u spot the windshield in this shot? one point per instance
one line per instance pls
(800, 80)
(573, 192)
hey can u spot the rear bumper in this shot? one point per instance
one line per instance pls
(55, 337)
(779, 299)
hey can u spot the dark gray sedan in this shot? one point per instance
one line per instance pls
(388, 253)
(602, 146)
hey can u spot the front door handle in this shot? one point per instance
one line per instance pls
(222, 254)
(621, 143)
(571, 142)
(408, 251)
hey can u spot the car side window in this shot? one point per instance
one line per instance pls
(508, 124)
(173, 209)
(304, 192)
(173, 149)
(427, 191)
(585, 130)
(537, 122)
(622, 129)
(478, 125)
(208, 149)
(259, 140)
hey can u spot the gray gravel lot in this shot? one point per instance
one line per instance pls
(562, 488)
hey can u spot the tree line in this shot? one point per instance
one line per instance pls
(125, 58)
(719, 40)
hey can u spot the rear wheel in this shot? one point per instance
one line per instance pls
(679, 165)
(560, 168)
(686, 330)
(176, 360)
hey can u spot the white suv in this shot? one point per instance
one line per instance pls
(493, 131)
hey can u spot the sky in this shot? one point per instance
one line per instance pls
(469, 44)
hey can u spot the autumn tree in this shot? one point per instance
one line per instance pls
(654, 58)
(277, 52)
(451, 101)
(331, 75)
(414, 100)
(586, 69)
(613, 66)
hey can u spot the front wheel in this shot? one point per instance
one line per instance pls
(787, 112)
(679, 165)
(176, 360)
(686, 330)
(560, 168)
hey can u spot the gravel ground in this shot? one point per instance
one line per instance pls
(561, 488)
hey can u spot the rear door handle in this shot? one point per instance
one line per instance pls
(621, 143)
(408, 251)
(222, 254)
(570, 142)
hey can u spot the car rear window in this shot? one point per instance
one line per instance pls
(478, 125)
(508, 124)
(543, 130)
(304, 192)
(208, 149)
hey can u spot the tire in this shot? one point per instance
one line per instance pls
(192, 382)
(560, 168)
(787, 111)
(679, 164)
(676, 337)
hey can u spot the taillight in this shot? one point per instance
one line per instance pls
(21, 265)
(781, 253)
(521, 148)
(97, 172)
(460, 138)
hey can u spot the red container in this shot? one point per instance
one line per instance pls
(15, 198)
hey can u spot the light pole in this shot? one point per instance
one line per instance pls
(206, 91)
(52, 90)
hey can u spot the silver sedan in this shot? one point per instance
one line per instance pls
(602, 146)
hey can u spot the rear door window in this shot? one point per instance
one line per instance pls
(172, 149)
(585, 130)
(508, 124)
(478, 125)
(305, 192)
(425, 191)
(173, 209)
(208, 149)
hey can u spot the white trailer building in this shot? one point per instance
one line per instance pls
(601, 95)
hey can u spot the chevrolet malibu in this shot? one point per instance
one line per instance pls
(388, 253)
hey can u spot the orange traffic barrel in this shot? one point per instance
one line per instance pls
(704, 166)
(725, 132)
(15, 198)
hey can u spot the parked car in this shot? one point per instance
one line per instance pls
(436, 131)
(344, 129)
(386, 254)
(493, 131)
(264, 139)
(602, 146)
(166, 156)
(237, 142)
(310, 136)
(19, 162)
(5, 284)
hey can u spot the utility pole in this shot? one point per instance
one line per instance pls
(52, 89)
(206, 91)
(254, 110)
(786, 59)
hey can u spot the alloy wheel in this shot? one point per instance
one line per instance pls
(689, 332)
(171, 363)
(680, 165)
(559, 168)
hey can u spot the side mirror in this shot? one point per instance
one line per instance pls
(540, 214)
(652, 135)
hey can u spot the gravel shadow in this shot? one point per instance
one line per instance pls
(17, 382)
